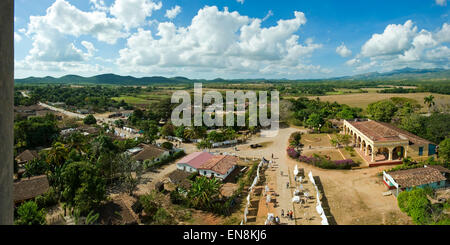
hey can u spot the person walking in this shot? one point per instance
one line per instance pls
(287, 185)
(282, 212)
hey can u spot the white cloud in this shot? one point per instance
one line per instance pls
(132, 13)
(17, 37)
(240, 1)
(353, 62)
(89, 47)
(443, 35)
(343, 51)
(99, 5)
(393, 40)
(441, 2)
(52, 35)
(173, 12)
(268, 15)
(221, 40)
(69, 20)
(404, 46)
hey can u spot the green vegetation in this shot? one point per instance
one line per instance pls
(415, 203)
(89, 120)
(315, 113)
(29, 214)
(35, 131)
(83, 188)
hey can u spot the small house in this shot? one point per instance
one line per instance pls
(29, 188)
(417, 177)
(27, 156)
(151, 152)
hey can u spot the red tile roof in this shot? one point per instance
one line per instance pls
(379, 131)
(416, 176)
(195, 159)
(220, 164)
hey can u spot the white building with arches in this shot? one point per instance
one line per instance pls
(383, 142)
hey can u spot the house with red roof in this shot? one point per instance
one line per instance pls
(207, 164)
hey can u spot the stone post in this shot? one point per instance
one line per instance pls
(6, 110)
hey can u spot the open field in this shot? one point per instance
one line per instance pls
(362, 100)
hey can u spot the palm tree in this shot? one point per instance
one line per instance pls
(429, 101)
(189, 133)
(203, 191)
(57, 155)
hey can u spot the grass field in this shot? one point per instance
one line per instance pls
(362, 100)
(132, 100)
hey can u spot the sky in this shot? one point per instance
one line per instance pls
(230, 39)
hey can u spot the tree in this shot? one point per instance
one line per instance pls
(168, 129)
(151, 132)
(429, 101)
(314, 120)
(30, 214)
(179, 132)
(444, 150)
(415, 204)
(130, 172)
(89, 120)
(382, 110)
(35, 167)
(57, 155)
(167, 145)
(346, 113)
(119, 123)
(189, 133)
(83, 187)
(203, 191)
(149, 204)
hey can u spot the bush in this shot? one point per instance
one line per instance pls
(415, 204)
(149, 205)
(47, 199)
(167, 145)
(162, 217)
(89, 120)
(322, 162)
(30, 214)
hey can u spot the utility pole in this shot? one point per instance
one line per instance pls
(6, 110)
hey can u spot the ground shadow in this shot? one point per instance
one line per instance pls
(324, 200)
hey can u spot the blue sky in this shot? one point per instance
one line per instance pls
(229, 38)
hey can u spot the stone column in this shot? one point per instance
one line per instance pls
(373, 154)
(390, 153)
(6, 110)
(406, 151)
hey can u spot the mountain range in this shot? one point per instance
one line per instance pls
(405, 74)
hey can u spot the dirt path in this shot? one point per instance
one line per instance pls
(354, 196)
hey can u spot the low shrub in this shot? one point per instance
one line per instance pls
(322, 161)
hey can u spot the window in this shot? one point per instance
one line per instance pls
(420, 151)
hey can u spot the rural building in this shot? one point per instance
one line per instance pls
(382, 142)
(219, 166)
(82, 111)
(150, 152)
(29, 188)
(127, 113)
(193, 161)
(418, 177)
(27, 156)
(180, 178)
(27, 111)
(209, 165)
